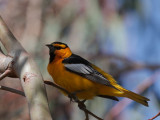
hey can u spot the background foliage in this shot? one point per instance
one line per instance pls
(120, 36)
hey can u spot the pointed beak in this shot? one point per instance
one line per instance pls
(51, 48)
(49, 45)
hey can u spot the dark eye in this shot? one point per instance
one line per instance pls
(58, 48)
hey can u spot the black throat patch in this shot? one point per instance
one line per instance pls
(52, 56)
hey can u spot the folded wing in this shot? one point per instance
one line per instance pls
(82, 67)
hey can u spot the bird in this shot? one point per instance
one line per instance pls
(84, 79)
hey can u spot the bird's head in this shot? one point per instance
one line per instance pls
(58, 50)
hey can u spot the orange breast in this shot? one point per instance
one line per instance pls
(72, 82)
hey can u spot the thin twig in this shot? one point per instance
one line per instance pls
(81, 104)
(89, 112)
(5, 74)
(155, 116)
(87, 117)
(54, 85)
(12, 90)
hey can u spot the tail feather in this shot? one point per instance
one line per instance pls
(136, 97)
(122, 92)
(133, 96)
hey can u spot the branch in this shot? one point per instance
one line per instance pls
(12, 90)
(5, 74)
(81, 104)
(6, 66)
(26, 69)
(5, 62)
(155, 116)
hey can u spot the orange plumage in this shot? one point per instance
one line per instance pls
(74, 73)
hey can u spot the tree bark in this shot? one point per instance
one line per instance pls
(24, 67)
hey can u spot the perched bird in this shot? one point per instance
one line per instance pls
(79, 76)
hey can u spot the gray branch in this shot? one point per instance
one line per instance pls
(12, 90)
(26, 69)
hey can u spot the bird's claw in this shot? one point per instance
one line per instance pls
(81, 105)
(73, 97)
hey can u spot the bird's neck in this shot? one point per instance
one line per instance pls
(52, 57)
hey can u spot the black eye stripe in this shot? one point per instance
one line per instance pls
(58, 47)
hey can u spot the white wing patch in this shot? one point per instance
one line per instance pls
(82, 67)
(79, 68)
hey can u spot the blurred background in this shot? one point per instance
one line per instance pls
(120, 36)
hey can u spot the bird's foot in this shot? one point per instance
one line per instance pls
(73, 97)
(81, 105)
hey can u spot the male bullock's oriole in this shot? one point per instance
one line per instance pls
(77, 75)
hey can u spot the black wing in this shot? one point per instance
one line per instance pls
(82, 67)
(108, 97)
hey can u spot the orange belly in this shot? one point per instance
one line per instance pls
(72, 82)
